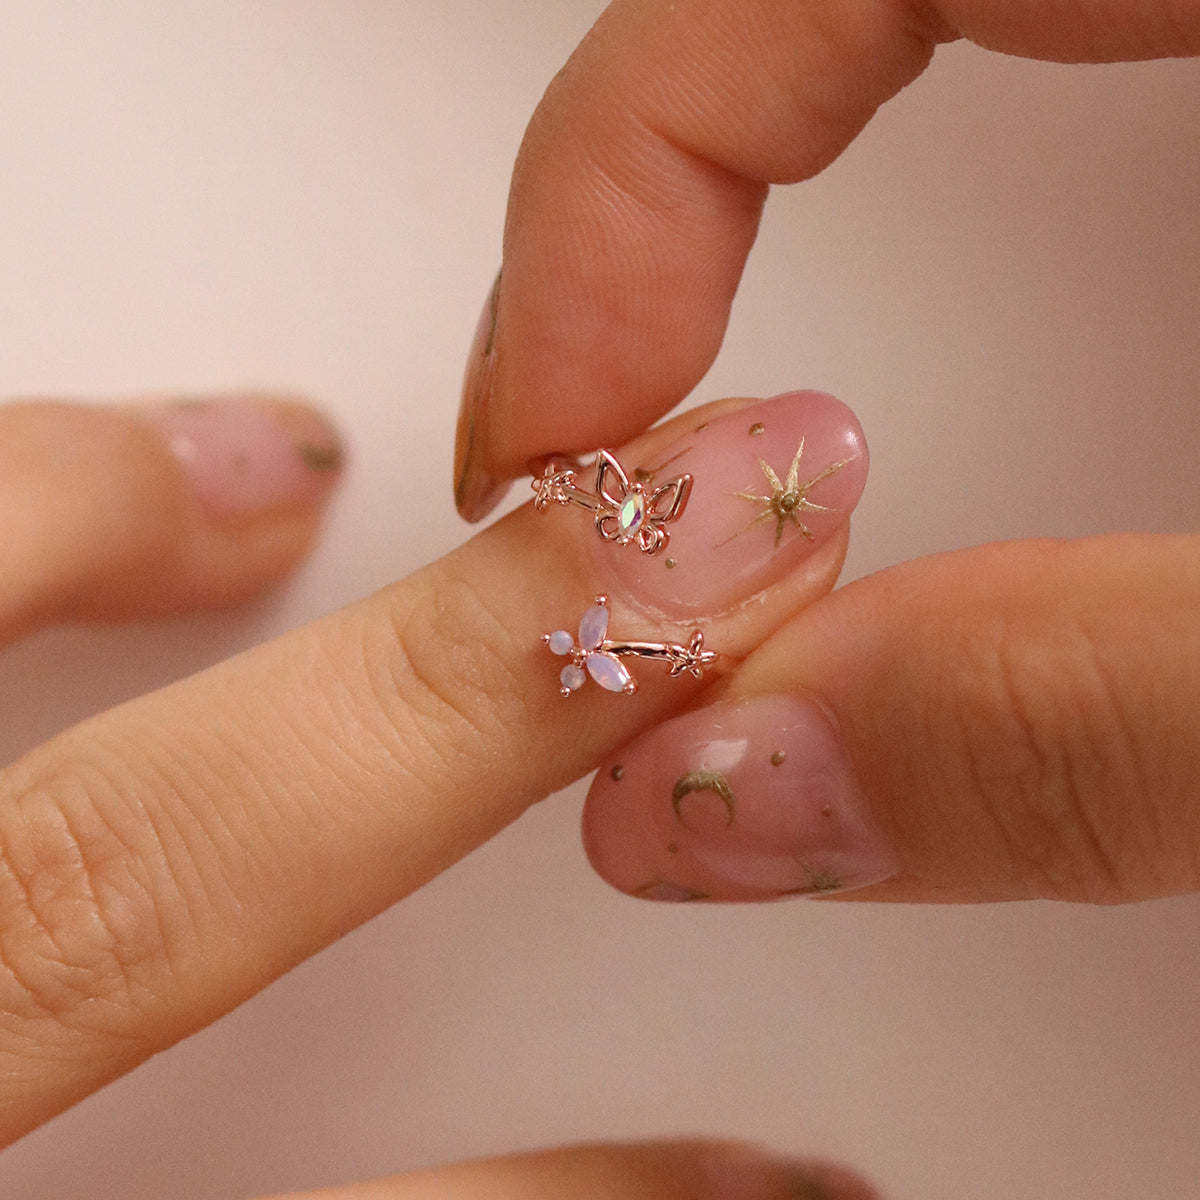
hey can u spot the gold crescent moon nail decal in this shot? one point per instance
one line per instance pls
(703, 780)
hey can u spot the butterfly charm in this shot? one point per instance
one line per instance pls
(594, 653)
(590, 654)
(632, 511)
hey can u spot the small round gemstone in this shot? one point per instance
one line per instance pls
(572, 677)
(561, 641)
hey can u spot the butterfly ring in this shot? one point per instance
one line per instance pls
(626, 511)
(594, 653)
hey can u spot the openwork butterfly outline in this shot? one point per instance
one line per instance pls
(626, 511)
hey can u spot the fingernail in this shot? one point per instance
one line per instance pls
(247, 455)
(742, 1173)
(770, 483)
(742, 800)
(476, 492)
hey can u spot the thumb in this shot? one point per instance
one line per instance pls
(1009, 722)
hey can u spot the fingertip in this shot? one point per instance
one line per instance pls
(746, 800)
(684, 1169)
(137, 510)
(258, 470)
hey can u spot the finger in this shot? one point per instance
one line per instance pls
(1012, 722)
(640, 181)
(690, 1170)
(162, 862)
(114, 513)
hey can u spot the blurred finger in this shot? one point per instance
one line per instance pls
(691, 1170)
(116, 513)
(1007, 723)
(160, 863)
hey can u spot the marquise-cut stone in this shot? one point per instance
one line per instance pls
(608, 672)
(561, 642)
(572, 677)
(631, 515)
(593, 627)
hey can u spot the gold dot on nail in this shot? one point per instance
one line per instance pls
(617, 772)
(672, 848)
(757, 428)
(669, 564)
(778, 758)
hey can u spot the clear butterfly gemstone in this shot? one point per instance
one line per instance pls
(607, 671)
(630, 516)
(593, 627)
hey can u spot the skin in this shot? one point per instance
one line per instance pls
(164, 861)
(132, 846)
(1033, 694)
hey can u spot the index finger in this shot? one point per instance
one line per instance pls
(640, 183)
(162, 862)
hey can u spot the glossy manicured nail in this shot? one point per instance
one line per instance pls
(743, 800)
(737, 1173)
(770, 483)
(248, 455)
(476, 492)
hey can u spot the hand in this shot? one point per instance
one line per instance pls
(1020, 719)
(163, 861)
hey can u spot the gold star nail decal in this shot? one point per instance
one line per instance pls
(787, 499)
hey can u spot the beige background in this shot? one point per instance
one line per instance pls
(1001, 276)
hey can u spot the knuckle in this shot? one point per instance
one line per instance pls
(448, 676)
(80, 926)
(1048, 748)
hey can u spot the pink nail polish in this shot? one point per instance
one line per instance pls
(476, 492)
(247, 455)
(770, 483)
(743, 800)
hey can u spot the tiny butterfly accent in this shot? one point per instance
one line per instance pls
(593, 653)
(625, 511)
(588, 652)
(634, 512)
